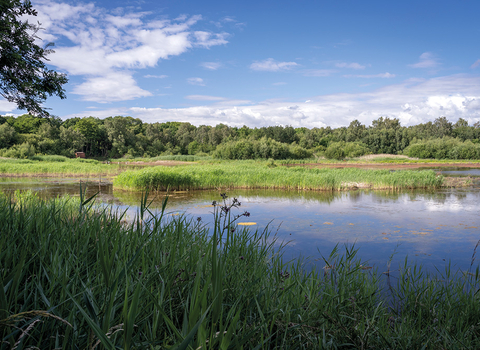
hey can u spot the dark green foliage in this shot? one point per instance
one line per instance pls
(340, 150)
(24, 77)
(335, 150)
(127, 137)
(264, 148)
(444, 148)
(8, 135)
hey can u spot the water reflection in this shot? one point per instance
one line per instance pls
(431, 227)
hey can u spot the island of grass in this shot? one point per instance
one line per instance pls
(192, 172)
(252, 174)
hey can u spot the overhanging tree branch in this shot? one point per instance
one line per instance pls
(24, 77)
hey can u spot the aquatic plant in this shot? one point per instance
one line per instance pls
(251, 174)
(88, 278)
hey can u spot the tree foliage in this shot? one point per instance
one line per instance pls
(24, 77)
(120, 136)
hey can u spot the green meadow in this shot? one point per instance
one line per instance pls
(75, 275)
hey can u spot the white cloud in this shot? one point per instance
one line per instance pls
(229, 20)
(352, 65)
(207, 39)
(476, 64)
(115, 86)
(211, 65)
(163, 76)
(96, 43)
(6, 106)
(368, 76)
(413, 102)
(427, 60)
(196, 81)
(271, 65)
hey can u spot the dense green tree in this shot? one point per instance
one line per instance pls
(27, 124)
(355, 131)
(90, 129)
(71, 140)
(8, 135)
(120, 134)
(24, 76)
(462, 131)
(442, 127)
(384, 136)
(69, 123)
(185, 134)
(218, 134)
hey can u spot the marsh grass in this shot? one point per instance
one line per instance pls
(254, 174)
(75, 276)
(179, 157)
(56, 165)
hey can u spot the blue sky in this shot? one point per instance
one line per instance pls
(258, 63)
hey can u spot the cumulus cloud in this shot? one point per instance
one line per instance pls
(271, 65)
(196, 81)
(6, 106)
(96, 43)
(352, 65)
(115, 86)
(427, 60)
(368, 76)
(211, 65)
(411, 101)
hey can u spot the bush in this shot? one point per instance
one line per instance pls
(264, 148)
(23, 151)
(444, 148)
(356, 149)
(335, 150)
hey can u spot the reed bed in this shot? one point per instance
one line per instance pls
(247, 174)
(56, 165)
(76, 277)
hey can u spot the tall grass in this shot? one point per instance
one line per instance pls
(74, 278)
(58, 165)
(249, 174)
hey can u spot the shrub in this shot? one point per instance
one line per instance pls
(25, 150)
(264, 148)
(444, 148)
(335, 150)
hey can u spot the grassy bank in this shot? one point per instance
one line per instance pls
(250, 174)
(56, 166)
(71, 278)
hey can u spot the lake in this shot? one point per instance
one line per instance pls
(433, 228)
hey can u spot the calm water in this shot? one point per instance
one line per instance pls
(433, 228)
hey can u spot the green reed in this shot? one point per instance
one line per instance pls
(77, 276)
(254, 174)
(56, 165)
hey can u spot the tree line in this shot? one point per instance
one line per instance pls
(120, 136)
